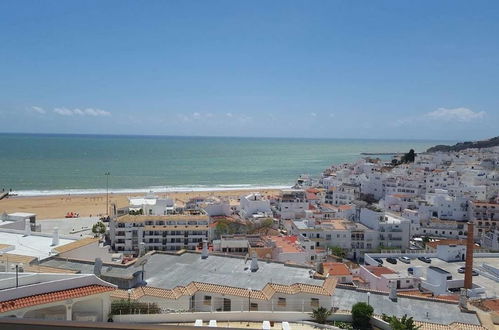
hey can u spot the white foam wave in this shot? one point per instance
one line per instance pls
(156, 189)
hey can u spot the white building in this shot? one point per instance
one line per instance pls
(254, 204)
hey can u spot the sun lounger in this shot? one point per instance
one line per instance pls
(285, 326)
(213, 323)
(266, 325)
(198, 323)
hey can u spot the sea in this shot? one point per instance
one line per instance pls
(53, 164)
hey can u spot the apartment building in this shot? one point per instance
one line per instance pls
(292, 204)
(164, 233)
(485, 217)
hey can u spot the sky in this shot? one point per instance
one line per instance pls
(321, 69)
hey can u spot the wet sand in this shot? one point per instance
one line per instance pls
(57, 206)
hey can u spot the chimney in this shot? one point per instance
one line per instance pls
(27, 227)
(393, 290)
(204, 252)
(142, 249)
(254, 263)
(98, 266)
(468, 275)
(55, 236)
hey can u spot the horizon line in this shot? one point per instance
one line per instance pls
(226, 136)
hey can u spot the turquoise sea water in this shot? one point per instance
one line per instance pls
(49, 164)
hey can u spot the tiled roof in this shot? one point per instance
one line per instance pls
(492, 304)
(47, 269)
(47, 298)
(446, 242)
(75, 245)
(378, 271)
(336, 268)
(265, 294)
(16, 258)
(4, 246)
(452, 326)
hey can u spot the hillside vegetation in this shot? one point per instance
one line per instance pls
(493, 142)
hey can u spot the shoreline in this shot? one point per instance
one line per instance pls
(156, 190)
(57, 206)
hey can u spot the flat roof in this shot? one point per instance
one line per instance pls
(21, 214)
(189, 267)
(31, 245)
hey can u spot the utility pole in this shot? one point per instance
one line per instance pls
(107, 174)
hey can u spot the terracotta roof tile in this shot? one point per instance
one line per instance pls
(265, 294)
(75, 245)
(50, 297)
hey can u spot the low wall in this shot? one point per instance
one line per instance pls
(225, 316)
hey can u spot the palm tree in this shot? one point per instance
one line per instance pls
(321, 314)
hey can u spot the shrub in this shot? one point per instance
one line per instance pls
(361, 315)
(133, 307)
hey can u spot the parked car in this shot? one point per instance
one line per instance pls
(391, 260)
(410, 271)
(378, 260)
(405, 260)
(425, 259)
(463, 270)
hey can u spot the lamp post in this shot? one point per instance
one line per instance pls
(129, 294)
(249, 304)
(17, 274)
(107, 174)
(368, 296)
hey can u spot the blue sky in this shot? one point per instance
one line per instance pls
(339, 69)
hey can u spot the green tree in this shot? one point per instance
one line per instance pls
(408, 157)
(405, 323)
(361, 315)
(320, 315)
(337, 251)
(99, 228)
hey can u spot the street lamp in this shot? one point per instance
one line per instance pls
(249, 304)
(368, 296)
(107, 174)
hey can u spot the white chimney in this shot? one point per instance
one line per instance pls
(142, 249)
(27, 227)
(254, 263)
(393, 290)
(204, 253)
(55, 236)
(98, 266)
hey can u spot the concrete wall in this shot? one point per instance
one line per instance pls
(226, 316)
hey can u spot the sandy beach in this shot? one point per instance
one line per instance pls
(57, 206)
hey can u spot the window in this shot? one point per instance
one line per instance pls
(281, 302)
(254, 307)
(207, 300)
(314, 302)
